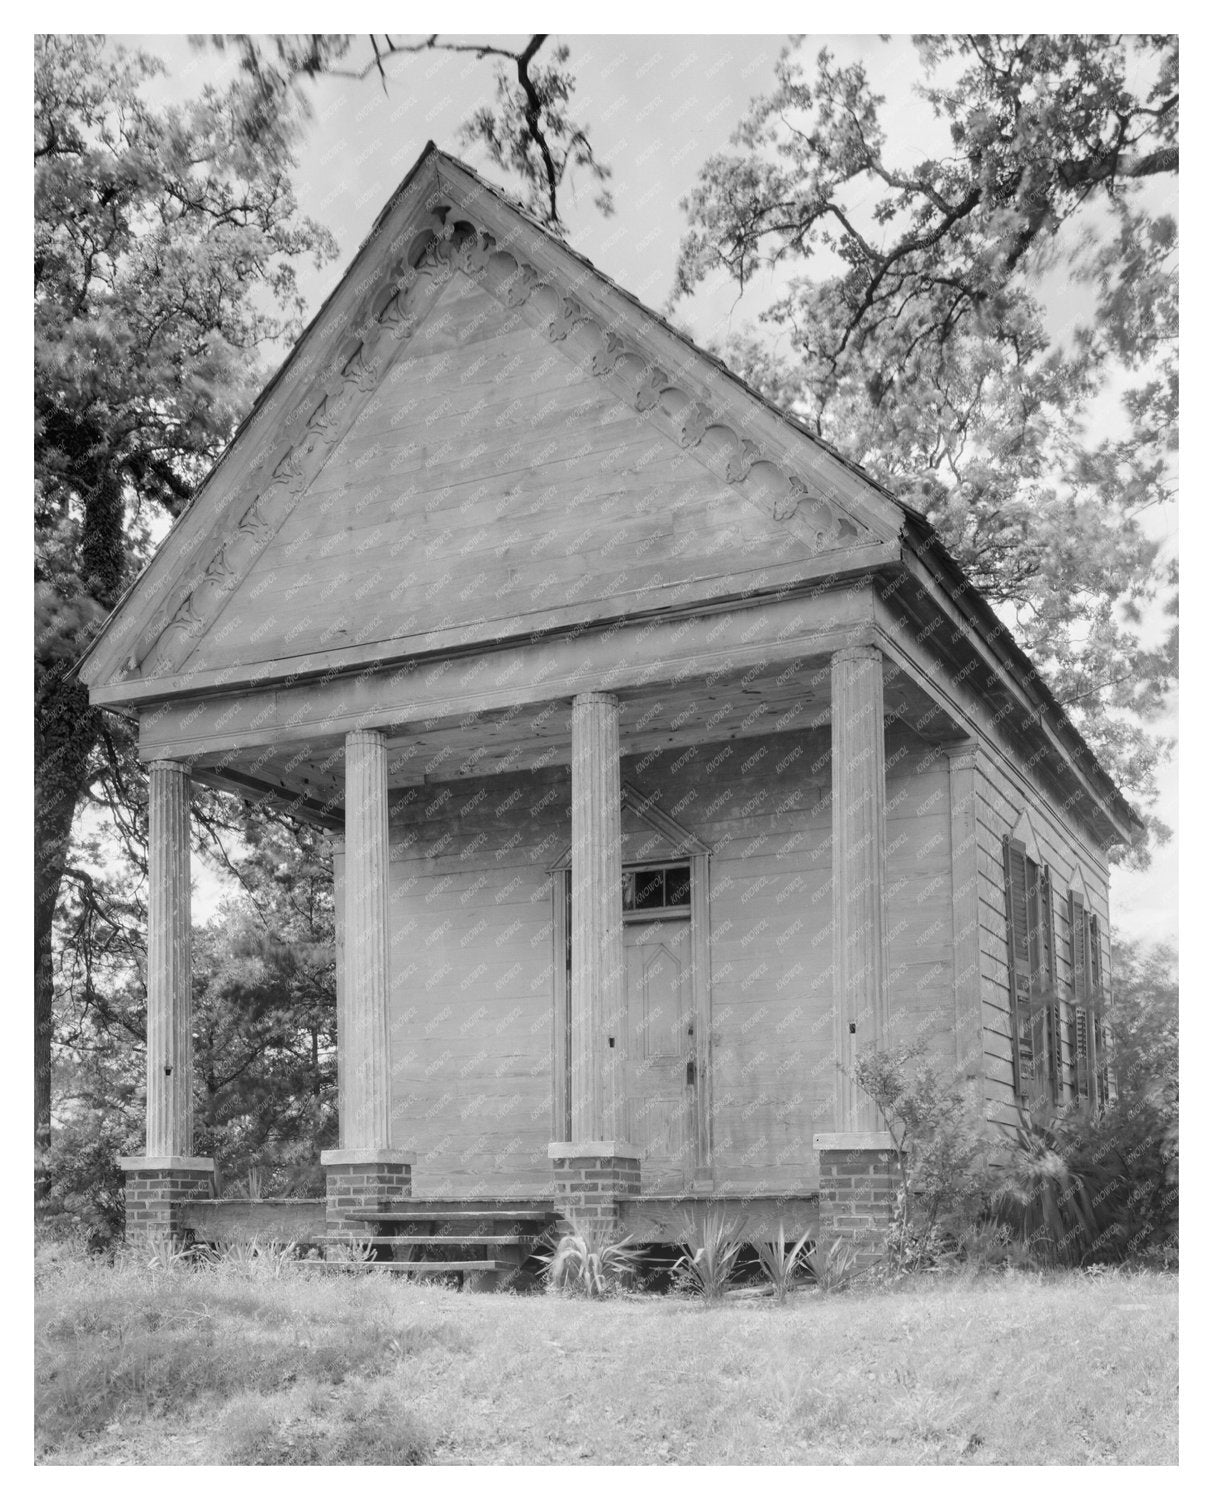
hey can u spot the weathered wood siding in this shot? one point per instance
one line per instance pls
(489, 477)
(1003, 794)
(473, 951)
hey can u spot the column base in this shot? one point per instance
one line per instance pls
(157, 1190)
(359, 1181)
(858, 1194)
(590, 1179)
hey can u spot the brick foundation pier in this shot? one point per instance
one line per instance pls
(361, 1181)
(157, 1190)
(859, 1182)
(590, 1179)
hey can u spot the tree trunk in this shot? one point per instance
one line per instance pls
(65, 731)
(64, 735)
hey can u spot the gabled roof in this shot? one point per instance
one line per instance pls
(442, 217)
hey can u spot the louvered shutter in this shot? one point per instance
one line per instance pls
(1019, 964)
(1081, 944)
(1099, 1043)
(1047, 1000)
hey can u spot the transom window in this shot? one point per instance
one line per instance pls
(657, 888)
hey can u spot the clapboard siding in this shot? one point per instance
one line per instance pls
(472, 950)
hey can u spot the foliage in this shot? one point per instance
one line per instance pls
(587, 1265)
(527, 130)
(1142, 1019)
(939, 1147)
(924, 346)
(778, 1262)
(1042, 1196)
(711, 1244)
(354, 1250)
(1102, 1185)
(832, 1267)
(264, 1023)
(258, 1257)
(165, 245)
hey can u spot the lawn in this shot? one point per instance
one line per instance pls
(233, 1366)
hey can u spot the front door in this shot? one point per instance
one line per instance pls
(660, 1080)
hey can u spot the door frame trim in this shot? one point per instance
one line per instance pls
(684, 845)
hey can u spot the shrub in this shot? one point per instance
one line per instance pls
(779, 1264)
(710, 1247)
(1041, 1197)
(940, 1149)
(1095, 1185)
(585, 1265)
(832, 1267)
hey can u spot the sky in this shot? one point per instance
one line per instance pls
(656, 108)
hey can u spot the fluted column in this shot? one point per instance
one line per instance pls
(597, 977)
(860, 960)
(170, 1110)
(339, 967)
(366, 1074)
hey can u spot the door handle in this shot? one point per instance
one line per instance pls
(690, 1072)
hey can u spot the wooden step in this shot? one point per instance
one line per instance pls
(433, 1239)
(479, 1216)
(411, 1267)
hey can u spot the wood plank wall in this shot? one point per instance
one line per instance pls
(473, 949)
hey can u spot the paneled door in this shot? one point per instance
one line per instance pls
(660, 1076)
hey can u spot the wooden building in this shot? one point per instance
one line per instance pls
(668, 760)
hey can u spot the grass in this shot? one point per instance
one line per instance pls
(229, 1366)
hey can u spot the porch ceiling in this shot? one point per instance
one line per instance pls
(663, 716)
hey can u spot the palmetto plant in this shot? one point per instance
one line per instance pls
(710, 1249)
(779, 1263)
(831, 1266)
(584, 1264)
(1042, 1197)
(166, 1253)
(353, 1250)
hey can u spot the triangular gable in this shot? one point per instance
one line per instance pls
(443, 234)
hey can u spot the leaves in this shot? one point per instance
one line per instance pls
(927, 345)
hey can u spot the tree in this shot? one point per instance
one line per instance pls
(1143, 1018)
(264, 1018)
(165, 246)
(164, 252)
(527, 131)
(922, 347)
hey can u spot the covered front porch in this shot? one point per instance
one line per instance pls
(612, 949)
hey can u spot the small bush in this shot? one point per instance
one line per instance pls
(1094, 1185)
(832, 1267)
(710, 1249)
(941, 1148)
(778, 1262)
(584, 1265)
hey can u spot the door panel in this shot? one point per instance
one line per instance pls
(661, 1086)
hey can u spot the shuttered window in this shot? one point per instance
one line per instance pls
(1035, 1044)
(1089, 1063)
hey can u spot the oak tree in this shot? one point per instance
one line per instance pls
(960, 322)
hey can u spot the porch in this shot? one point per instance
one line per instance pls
(570, 797)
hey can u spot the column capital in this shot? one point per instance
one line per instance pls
(179, 766)
(856, 653)
(366, 737)
(596, 696)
